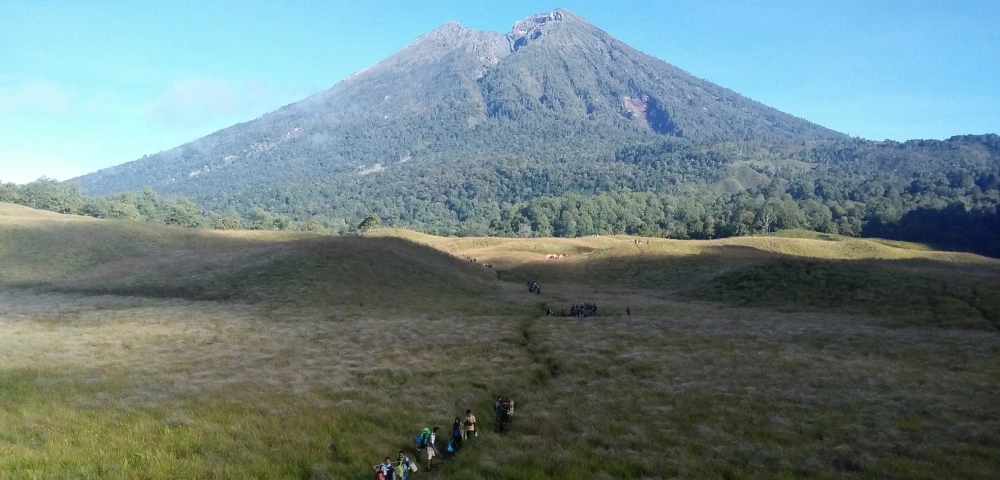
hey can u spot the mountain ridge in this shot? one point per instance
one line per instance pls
(553, 88)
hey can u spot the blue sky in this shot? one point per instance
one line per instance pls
(88, 85)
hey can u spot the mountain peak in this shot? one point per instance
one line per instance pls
(457, 94)
(537, 25)
(449, 28)
(535, 22)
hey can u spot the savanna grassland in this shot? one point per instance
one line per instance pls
(130, 350)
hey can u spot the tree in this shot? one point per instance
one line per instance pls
(709, 227)
(228, 221)
(313, 225)
(849, 226)
(524, 230)
(181, 212)
(10, 192)
(370, 222)
(767, 215)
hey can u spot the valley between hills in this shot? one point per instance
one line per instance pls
(133, 350)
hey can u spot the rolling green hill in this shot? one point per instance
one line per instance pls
(135, 350)
(400, 269)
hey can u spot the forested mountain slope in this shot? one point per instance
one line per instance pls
(554, 89)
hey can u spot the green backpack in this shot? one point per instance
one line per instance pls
(423, 438)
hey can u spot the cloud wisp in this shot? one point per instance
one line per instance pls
(195, 101)
(35, 98)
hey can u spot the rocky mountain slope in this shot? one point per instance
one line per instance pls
(554, 88)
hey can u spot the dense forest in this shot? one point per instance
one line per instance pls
(941, 192)
(147, 205)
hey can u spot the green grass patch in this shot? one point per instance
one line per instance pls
(866, 287)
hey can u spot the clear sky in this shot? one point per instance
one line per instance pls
(88, 85)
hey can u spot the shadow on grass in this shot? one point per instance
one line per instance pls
(920, 291)
(351, 275)
(359, 274)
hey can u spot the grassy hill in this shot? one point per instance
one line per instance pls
(132, 350)
(820, 272)
(399, 269)
(69, 253)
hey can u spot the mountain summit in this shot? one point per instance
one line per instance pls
(553, 87)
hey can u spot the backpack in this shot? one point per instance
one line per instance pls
(423, 438)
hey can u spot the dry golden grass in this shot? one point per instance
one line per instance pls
(111, 387)
(135, 351)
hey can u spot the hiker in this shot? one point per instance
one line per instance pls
(470, 425)
(548, 312)
(405, 466)
(456, 435)
(505, 415)
(628, 311)
(564, 311)
(431, 448)
(385, 471)
(498, 409)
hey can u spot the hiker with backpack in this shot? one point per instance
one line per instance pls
(385, 470)
(431, 448)
(405, 466)
(425, 444)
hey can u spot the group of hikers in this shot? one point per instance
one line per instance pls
(583, 310)
(503, 414)
(473, 260)
(426, 442)
(533, 287)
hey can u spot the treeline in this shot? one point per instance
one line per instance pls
(950, 214)
(945, 193)
(147, 206)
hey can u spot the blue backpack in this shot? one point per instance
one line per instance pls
(423, 438)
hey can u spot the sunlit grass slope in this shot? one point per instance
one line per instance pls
(68, 253)
(130, 350)
(789, 272)
(408, 271)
